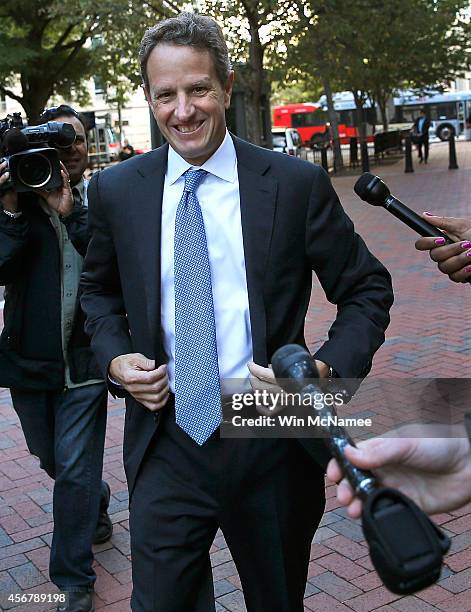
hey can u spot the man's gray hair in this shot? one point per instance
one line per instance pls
(188, 29)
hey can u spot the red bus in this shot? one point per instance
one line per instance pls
(312, 122)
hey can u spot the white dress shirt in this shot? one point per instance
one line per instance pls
(218, 195)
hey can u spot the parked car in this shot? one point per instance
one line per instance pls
(286, 140)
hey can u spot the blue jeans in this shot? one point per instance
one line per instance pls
(66, 431)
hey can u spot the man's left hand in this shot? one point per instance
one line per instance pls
(61, 200)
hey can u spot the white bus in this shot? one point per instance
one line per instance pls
(449, 113)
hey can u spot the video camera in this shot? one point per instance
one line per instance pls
(30, 152)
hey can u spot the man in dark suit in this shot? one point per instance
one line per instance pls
(420, 131)
(200, 263)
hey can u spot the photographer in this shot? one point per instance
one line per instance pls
(46, 361)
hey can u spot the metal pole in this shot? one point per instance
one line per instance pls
(365, 162)
(408, 157)
(324, 162)
(353, 151)
(453, 164)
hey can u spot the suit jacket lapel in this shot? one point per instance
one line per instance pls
(147, 219)
(257, 205)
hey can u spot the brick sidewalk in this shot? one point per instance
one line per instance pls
(430, 336)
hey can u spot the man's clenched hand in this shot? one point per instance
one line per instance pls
(139, 376)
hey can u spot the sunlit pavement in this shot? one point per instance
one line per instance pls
(429, 336)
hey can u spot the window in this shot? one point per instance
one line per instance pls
(301, 120)
(279, 140)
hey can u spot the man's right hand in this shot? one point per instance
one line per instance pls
(8, 200)
(139, 376)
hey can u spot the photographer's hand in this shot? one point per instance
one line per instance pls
(61, 200)
(8, 200)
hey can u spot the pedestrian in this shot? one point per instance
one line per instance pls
(420, 135)
(46, 361)
(127, 151)
(200, 263)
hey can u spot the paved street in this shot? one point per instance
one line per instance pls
(429, 336)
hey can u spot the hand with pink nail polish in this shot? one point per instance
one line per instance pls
(452, 259)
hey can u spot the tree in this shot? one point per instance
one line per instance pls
(374, 48)
(49, 46)
(403, 43)
(312, 48)
(253, 29)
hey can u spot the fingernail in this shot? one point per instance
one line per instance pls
(468, 253)
(440, 241)
(466, 244)
(429, 214)
(467, 269)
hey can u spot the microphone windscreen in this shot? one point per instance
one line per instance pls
(362, 183)
(15, 141)
(293, 362)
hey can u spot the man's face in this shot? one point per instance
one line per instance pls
(74, 158)
(187, 100)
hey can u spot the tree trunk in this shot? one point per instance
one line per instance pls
(334, 126)
(257, 80)
(120, 124)
(382, 103)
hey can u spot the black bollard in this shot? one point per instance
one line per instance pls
(324, 162)
(453, 164)
(408, 157)
(353, 152)
(365, 162)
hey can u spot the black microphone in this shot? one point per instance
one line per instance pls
(296, 371)
(373, 190)
(405, 546)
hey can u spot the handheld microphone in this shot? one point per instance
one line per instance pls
(373, 190)
(295, 367)
(405, 546)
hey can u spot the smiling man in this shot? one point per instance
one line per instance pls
(200, 263)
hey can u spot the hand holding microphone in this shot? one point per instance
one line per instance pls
(434, 471)
(452, 259)
(448, 249)
(406, 548)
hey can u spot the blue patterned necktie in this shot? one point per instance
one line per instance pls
(197, 386)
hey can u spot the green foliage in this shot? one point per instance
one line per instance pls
(374, 48)
(54, 46)
(291, 92)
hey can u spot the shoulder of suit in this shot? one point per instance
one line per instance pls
(247, 153)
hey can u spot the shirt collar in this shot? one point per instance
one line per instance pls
(222, 163)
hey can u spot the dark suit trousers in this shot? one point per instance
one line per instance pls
(425, 144)
(267, 496)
